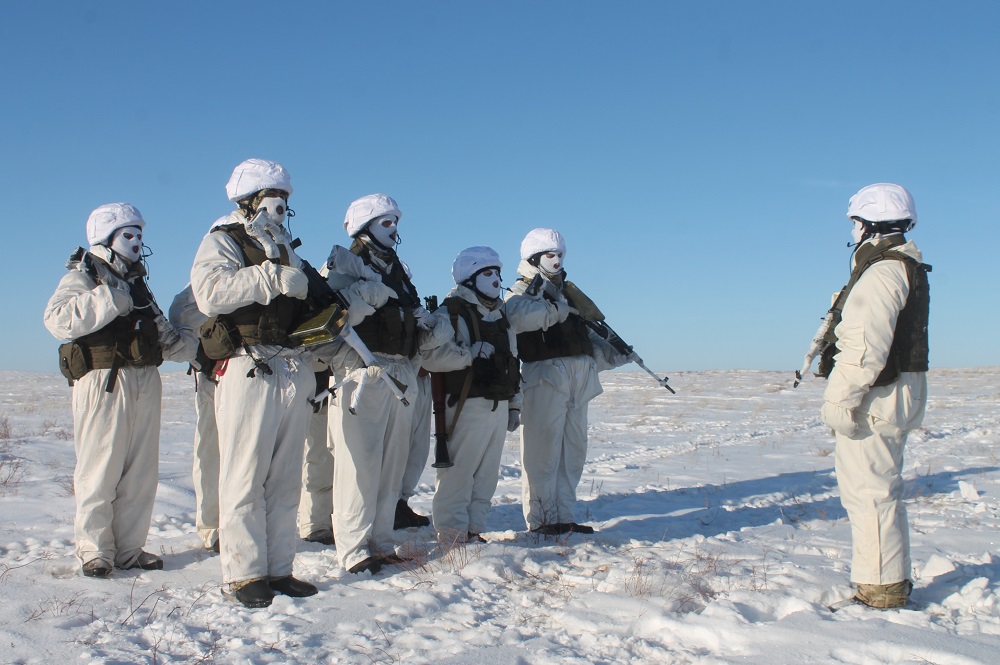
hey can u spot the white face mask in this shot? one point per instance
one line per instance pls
(488, 283)
(274, 207)
(857, 231)
(384, 230)
(550, 262)
(127, 243)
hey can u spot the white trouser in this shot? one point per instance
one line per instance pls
(205, 471)
(370, 450)
(554, 438)
(464, 491)
(117, 438)
(262, 430)
(316, 503)
(870, 475)
(420, 438)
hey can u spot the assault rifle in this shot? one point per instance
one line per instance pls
(442, 460)
(333, 320)
(817, 347)
(591, 314)
(607, 333)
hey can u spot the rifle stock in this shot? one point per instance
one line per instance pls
(442, 460)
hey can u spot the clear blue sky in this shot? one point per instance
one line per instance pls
(698, 156)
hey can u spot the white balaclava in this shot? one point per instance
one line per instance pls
(550, 262)
(126, 242)
(488, 283)
(385, 230)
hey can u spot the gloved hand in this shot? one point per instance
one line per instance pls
(438, 330)
(513, 420)
(373, 293)
(482, 350)
(839, 419)
(423, 318)
(121, 300)
(562, 309)
(286, 279)
(358, 310)
(167, 333)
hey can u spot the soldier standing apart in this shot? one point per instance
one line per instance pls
(481, 385)
(878, 386)
(246, 274)
(117, 338)
(562, 358)
(369, 425)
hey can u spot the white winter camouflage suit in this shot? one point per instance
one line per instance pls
(186, 317)
(464, 491)
(370, 445)
(556, 394)
(869, 461)
(116, 434)
(262, 420)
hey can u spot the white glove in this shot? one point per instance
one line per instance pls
(435, 331)
(121, 300)
(839, 419)
(423, 318)
(482, 350)
(373, 293)
(513, 420)
(562, 309)
(358, 311)
(167, 333)
(286, 279)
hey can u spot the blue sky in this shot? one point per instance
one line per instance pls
(697, 156)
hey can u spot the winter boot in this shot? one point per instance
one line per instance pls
(290, 586)
(252, 593)
(473, 537)
(580, 528)
(553, 529)
(96, 568)
(145, 561)
(321, 536)
(371, 564)
(884, 596)
(406, 518)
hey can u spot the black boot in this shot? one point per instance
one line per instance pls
(406, 518)
(371, 564)
(580, 528)
(293, 587)
(253, 594)
(96, 568)
(145, 561)
(321, 536)
(473, 537)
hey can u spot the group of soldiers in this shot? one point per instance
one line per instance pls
(315, 388)
(272, 439)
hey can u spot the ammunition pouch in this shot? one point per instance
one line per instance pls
(126, 342)
(218, 338)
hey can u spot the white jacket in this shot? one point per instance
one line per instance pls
(456, 354)
(864, 337)
(81, 306)
(187, 320)
(222, 283)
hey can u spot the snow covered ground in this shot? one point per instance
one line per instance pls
(720, 539)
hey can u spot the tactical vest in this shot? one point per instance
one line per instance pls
(569, 338)
(392, 329)
(131, 340)
(256, 323)
(497, 377)
(910, 350)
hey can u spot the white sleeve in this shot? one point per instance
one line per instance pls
(527, 313)
(865, 332)
(78, 307)
(187, 319)
(222, 284)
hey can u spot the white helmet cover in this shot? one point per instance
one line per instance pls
(542, 240)
(254, 175)
(363, 210)
(883, 202)
(472, 260)
(110, 217)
